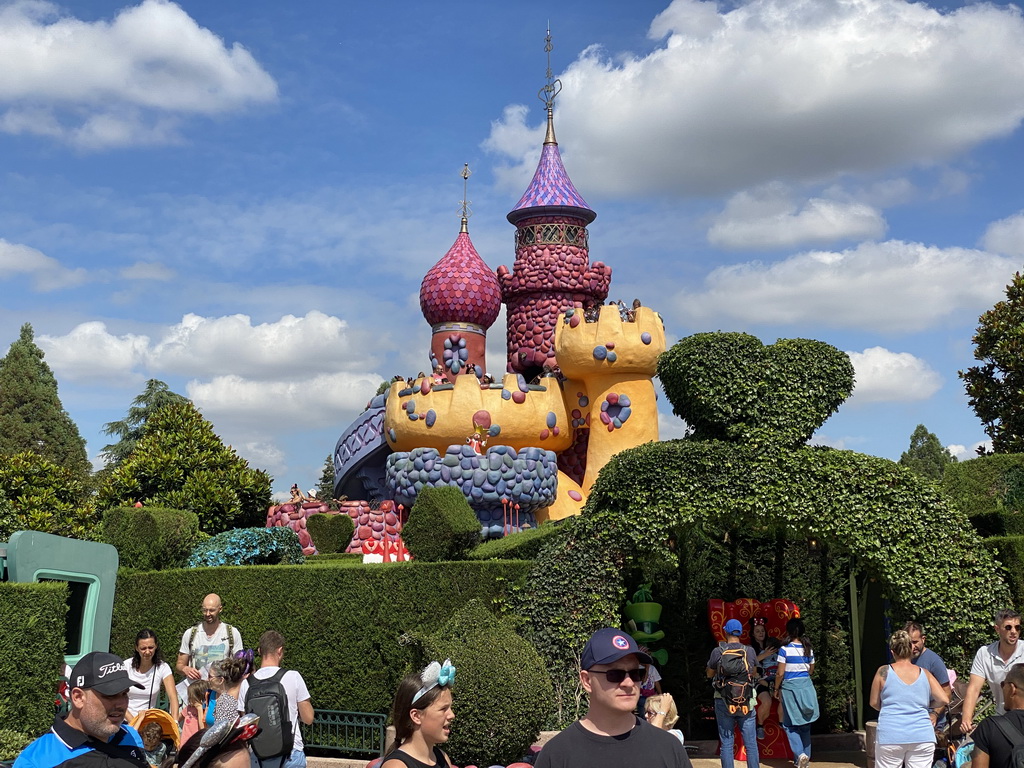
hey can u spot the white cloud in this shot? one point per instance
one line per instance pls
(1006, 236)
(769, 89)
(883, 376)
(767, 217)
(147, 270)
(214, 346)
(963, 453)
(47, 273)
(120, 82)
(887, 286)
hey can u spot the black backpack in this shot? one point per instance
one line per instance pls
(267, 698)
(735, 679)
(1012, 732)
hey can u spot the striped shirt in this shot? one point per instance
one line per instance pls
(798, 661)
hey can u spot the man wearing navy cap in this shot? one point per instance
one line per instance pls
(744, 716)
(93, 735)
(610, 735)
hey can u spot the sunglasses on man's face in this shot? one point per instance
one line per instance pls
(616, 676)
(1011, 627)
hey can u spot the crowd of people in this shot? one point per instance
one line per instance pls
(235, 714)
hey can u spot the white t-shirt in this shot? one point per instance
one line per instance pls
(152, 681)
(209, 648)
(296, 691)
(990, 665)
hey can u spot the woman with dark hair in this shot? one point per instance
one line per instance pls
(147, 667)
(794, 688)
(907, 698)
(422, 715)
(767, 650)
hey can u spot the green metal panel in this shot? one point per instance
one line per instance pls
(350, 733)
(89, 568)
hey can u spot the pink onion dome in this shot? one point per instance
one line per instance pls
(461, 288)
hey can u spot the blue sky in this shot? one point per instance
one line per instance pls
(242, 198)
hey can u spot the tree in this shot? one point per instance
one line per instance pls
(38, 495)
(325, 488)
(31, 415)
(128, 430)
(996, 387)
(926, 457)
(180, 462)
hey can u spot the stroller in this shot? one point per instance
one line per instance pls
(168, 726)
(953, 747)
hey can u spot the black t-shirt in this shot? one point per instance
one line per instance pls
(643, 745)
(412, 762)
(989, 739)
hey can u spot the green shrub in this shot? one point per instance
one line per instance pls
(151, 538)
(249, 546)
(524, 545)
(1009, 551)
(342, 624)
(38, 495)
(502, 693)
(988, 486)
(331, 534)
(441, 526)
(336, 558)
(31, 658)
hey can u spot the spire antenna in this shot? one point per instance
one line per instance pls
(551, 89)
(464, 205)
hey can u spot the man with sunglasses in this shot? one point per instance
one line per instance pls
(995, 736)
(991, 664)
(610, 735)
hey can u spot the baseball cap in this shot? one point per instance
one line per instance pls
(608, 645)
(102, 672)
(733, 627)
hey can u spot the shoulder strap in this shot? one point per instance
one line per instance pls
(278, 676)
(114, 748)
(1010, 731)
(231, 638)
(192, 644)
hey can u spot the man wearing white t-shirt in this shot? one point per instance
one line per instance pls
(991, 663)
(209, 641)
(299, 707)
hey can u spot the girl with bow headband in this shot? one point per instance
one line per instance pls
(422, 715)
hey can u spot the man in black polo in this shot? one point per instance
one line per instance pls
(93, 735)
(993, 746)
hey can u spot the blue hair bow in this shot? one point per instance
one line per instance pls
(434, 675)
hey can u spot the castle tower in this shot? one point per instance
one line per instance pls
(552, 270)
(460, 298)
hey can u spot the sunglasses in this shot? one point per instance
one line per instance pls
(616, 676)
(1011, 627)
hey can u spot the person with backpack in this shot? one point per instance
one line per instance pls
(793, 687)
(999, 740)
(208, 641)
(908, 699)
(732, 668)
(281, 699)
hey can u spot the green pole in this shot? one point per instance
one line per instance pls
(855, 631)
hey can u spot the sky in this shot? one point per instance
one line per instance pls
(241, 199)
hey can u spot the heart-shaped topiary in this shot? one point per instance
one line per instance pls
(730, 386)
(330, 533)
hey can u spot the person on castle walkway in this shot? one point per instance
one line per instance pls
(907, 698)
(744, 715)
(422, 715)
(926, 658)
(991, 664)
(993, 747)
(793, 687)
(94, 732)
(297, 496)
(208, 641)
(611, 735)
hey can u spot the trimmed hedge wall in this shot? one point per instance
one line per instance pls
(1009, 551)
(990, 491)
(342, 624)
(331, 534)
(151, 538)
(441, 525)
(31, 658)
(525, 545)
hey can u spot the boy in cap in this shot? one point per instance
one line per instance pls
(730, 714)
(98, 687)
(610, 735)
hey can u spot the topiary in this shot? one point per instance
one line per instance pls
(249, 546)
(441, 526)
(522, 545)
(330, 533)
(502, 692)
(151, 538)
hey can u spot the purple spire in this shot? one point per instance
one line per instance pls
(551, 191)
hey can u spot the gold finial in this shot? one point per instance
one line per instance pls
(548, 93)
(464, 209)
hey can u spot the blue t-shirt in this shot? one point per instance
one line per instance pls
(931, 661)
(798, 661)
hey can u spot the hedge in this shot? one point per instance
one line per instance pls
(342, 624)
(990, 491)
(331, 534)
(1009, 551)
(151, 538)
(524, 545)
(441, 525)
(336, 558)
(31, 659)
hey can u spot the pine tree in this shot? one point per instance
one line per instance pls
(128, 430)
(325, 488)
(32, 417)
(926, 456)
